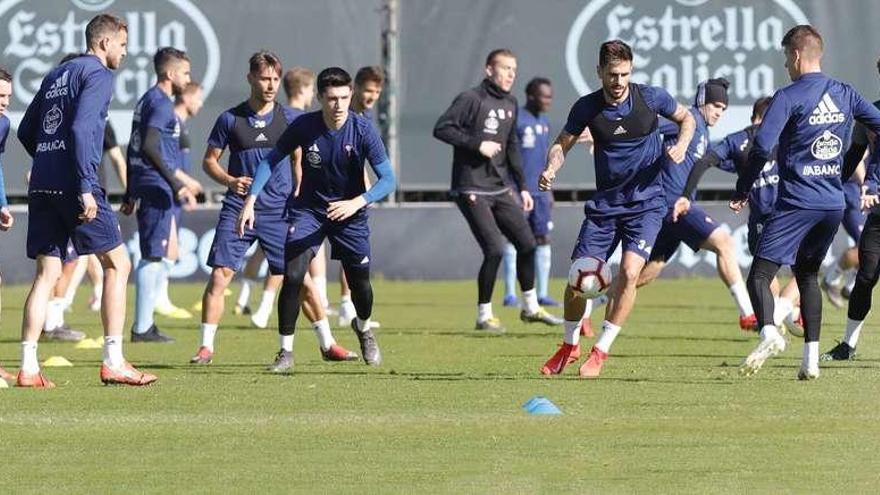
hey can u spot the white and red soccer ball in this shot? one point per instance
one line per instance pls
(589, 276)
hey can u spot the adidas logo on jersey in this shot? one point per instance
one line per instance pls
(261, 138)
(826, 112)
(59, 87)
(620, 130)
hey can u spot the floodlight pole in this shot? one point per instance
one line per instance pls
(389, 110)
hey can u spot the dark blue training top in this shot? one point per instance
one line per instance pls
(733, 152)
(4, 133)
(333, 160)
(249, 146)
(534, 142)
(675, 175)
(63, 127)
(627, 170)
(811, 119)
(154, 109)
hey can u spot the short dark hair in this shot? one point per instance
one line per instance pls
(167, 55)
(297, 78)
(535, 83)
(614, 51)
(878, 65)
(370, 73)
(333, 77)
(103, 25)
(498, 52)
(804, 38)
(69, 57)
(760, 107)
(189, 89)
(5, 75)
(264, 59)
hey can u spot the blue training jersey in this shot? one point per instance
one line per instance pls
(63, 127)
(731, 151)
(154, 109)
(245, 156)
(333, 160)
(675, 175)
(4, 133)
(627, 170)
(533, 132)
(811, 119)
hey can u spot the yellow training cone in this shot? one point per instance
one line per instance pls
(56, 362)
(95, 343)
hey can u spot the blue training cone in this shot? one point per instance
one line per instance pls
(540, 405)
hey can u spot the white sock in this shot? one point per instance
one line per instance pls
(113, 352)
(850, 280)
(769, 332)
(853, 330)
(321, 284)
(781, 308)
(811, 355)
(530, 301)
(484, 311)
(162, 299)
(834, 274)
(322, 331)
(29, 362)
(244, 296)
(286, 342)
(208, 331)
(266, 302)
(362, 325)
(741, 296)
(54, 314)
(572, 332)
(609, 333)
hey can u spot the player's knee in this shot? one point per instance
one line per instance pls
(295, 270)
(494, 251)
(629, 274)
(358, 278)
(220, 279)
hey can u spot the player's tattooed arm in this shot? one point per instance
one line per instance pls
(686, 127)
(555, 159)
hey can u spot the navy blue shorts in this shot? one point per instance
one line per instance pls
(541, 216)
(796, 235)
(692, 229)
(755, 228)
(853, 216)
(349, 239)
(636, 226)
(155, 213)
(270, 231)
(53, 225)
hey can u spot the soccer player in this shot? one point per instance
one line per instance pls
(690, 224)
(250, 130)
(331, 203)
(61, 130)
(731, 155)
(811, 119)
(155, 182)
(480, 125)
(868, 255)
(629, 204)
(533, 133)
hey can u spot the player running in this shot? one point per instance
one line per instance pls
(690, 224)
(250, 130)
(481, 126)
(811, 119)
(731, 155)
(6, 219)
(629, 204)
(331, 203)
(62, 130)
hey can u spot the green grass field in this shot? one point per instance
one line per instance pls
(442, 415)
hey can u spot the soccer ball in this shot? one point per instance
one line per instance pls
(589, 276)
